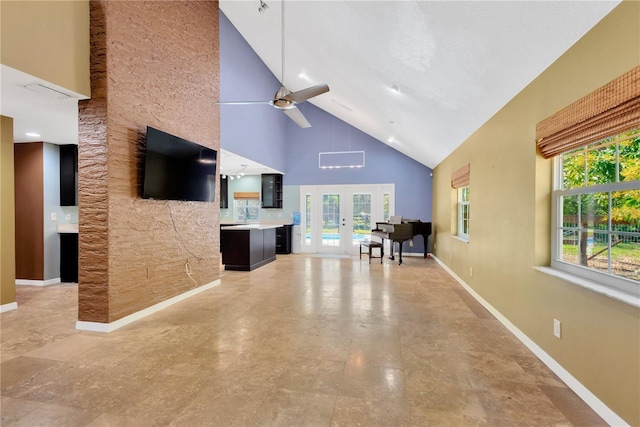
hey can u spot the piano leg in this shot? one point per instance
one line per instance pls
(424, 239)
(392, 246)
(400, 251)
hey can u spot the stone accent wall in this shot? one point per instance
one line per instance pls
(152, 64)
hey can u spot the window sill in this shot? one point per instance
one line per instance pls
(596, 287)
(462, 239)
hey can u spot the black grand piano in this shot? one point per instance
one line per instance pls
(400, 230)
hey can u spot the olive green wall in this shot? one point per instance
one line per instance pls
(7, 218)
(49, 40)
(510, 223)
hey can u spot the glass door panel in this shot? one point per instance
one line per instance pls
(331, 220)
(361, 222)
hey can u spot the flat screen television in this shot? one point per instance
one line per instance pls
(177, 169)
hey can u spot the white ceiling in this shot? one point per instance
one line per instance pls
(456, 63)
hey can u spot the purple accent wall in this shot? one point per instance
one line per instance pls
(265, 135)
(257, 132)
(383, 164)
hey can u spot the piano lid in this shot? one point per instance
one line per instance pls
(395, 219)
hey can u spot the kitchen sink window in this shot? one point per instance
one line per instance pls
(247, 210)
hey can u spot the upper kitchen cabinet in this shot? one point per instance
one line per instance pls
(224, 192)
(69, 175)
(272, 190)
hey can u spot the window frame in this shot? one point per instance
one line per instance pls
(459, 207)
(599, 279)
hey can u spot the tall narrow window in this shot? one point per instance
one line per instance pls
(385, 207)
(307, 222)
(463, 212)
(460, 183)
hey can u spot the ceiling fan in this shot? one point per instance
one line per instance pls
(286, 100)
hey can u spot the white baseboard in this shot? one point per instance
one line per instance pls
(28, 282)
(583, 392)
(8, 307)
(110, 327)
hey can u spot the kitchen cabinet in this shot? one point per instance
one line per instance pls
(247, 247)
(69, 257)
(272, 190)
(283, 239)
(69, 175)
(224, 192)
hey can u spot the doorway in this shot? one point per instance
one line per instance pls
(336, 218)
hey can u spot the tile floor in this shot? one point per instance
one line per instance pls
(303, 341)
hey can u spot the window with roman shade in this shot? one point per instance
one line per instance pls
(460, 182)
(595, 143)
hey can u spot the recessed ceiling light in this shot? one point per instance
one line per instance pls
(303, 76)
(395, 88)
(33, 134)
(392, 123)
(391, 140)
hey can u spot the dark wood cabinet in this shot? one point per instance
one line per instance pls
(247, 248)
(69, 175)
(283, 239)
(224, 192)
(272, 190)
(69, 257)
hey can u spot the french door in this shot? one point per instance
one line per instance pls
(335, 219)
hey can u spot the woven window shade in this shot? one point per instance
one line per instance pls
(460, 178)
(246, 195)
(610, 110)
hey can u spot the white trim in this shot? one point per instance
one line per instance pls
(8, 307)
(462, 239)
(29, 282)
(583, 392)
(110, 327)
(596, 287)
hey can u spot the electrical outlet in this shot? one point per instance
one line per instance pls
(67, 217)
(471, 271)
(54, 216)
(557, 328)
(411, 243)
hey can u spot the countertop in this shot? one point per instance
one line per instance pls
(252, 226)
(67, 228)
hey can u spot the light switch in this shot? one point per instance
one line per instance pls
(54, 216)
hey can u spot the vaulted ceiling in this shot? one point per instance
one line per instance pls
(421, 76)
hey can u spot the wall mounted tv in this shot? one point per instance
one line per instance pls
(177, 169)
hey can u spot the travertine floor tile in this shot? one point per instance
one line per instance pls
(303, 341)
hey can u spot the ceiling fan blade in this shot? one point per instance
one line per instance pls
(242, 103)
(310, 92)
(297, 116)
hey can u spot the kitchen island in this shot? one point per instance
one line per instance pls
(246, 247)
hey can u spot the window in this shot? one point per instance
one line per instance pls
(247, 210)
(595, 143)
(386, 212)
(463, 212)
(460, 180)
(307, 219)
(597, 211)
